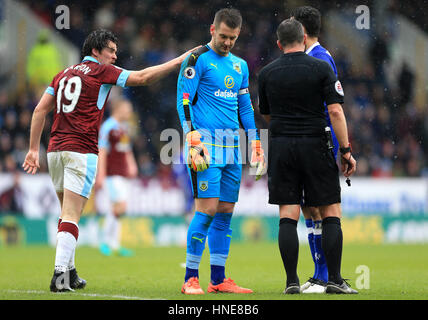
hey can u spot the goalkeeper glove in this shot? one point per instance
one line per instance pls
(198, 158)
(257, 158)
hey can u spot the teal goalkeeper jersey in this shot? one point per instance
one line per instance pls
(213, 97)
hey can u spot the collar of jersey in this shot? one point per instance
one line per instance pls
(90, 58)
(208, 45)
(312, 47)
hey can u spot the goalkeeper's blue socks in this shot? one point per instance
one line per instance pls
(219, 237)
(196, 238)
(321, 271)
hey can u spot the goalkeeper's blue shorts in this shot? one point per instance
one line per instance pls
(223, 177)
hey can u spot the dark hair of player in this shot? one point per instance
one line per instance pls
(97, 39)
(231, 17)
(290, 31)
(310, 18)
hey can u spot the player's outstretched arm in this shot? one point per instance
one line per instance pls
(46, 104)
(153, 74)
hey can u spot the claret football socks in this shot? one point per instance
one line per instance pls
(68, 233)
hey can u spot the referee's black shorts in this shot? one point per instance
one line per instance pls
(302, 164)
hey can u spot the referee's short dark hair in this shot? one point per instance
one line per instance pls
(97, 39)
(230, 16)
(310, 17)
(290, 31)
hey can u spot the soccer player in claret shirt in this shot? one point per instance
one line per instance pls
(116, 165)
(77, 96)
(212, 96)
(310, 18)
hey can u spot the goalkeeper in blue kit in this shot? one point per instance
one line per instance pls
(212, 99)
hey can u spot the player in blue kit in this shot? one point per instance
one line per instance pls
(212, 99)
(310, 18)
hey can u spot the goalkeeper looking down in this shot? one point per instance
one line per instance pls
(212, 99)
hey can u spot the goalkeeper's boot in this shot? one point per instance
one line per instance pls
(75, 281)
(340, 288)
(60, 282)
(191, 286)
(227, 286)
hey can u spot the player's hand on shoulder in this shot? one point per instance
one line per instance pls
(184, 55)
(31, 162)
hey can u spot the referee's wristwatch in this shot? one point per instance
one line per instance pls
(345, 150)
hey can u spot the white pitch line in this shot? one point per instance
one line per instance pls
(94, 295)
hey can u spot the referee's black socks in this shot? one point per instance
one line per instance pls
(332, 243)
(288, 242)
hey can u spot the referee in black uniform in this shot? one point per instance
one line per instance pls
(292, 91)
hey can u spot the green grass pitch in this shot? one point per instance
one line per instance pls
(396, 272)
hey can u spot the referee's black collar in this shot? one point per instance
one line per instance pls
(296, 53)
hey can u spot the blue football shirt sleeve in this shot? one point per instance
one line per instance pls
(328, 58)
(123, 77)
(50, 90)
(187, 86)
(245, 107)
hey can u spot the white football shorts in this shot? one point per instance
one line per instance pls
(117, 187)
(73, 171)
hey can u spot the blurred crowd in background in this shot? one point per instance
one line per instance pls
(388, 133)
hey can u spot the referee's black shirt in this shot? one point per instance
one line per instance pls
(293, 89)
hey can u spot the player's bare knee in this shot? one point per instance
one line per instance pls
(289, 211)
(208, 210)
(332, 210)
(72, 206)
(225, 207)
(206, 205)
(70, 215)
(311, 213)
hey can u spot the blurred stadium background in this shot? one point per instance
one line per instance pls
(383, 69)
